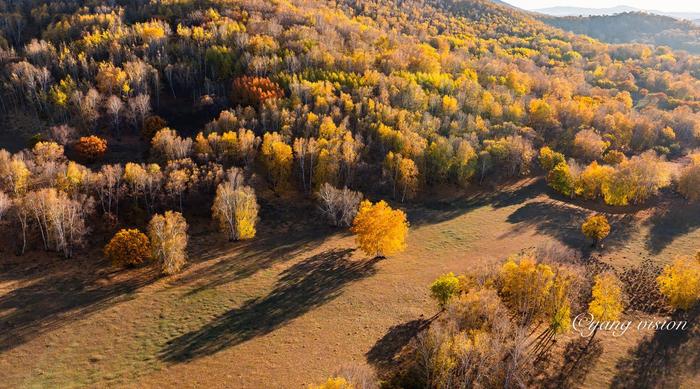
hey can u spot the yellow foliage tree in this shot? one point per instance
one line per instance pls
(444, 288)
(168, 235)
(110, 78)
(277, 159)
(525, 285)
(596, 227)
(333, 383)
(680, 283)
(591, 180)
(380, 230)
(549, 158)
(607, 298)
(236, 210)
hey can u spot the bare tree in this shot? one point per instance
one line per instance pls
(114, 106)
(5, 203)
(86, 105)
(139, 108)
(107, 185)
(59, 218)
(338, 205)
(62, 134)
(23, 215)
(170, 146)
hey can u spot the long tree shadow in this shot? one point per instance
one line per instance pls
(435, 211)
(563, 223)
(301, 288)
(670, 222)
(663, 359)
(227, 262)
(579, 358)
(382, 354)
(220, 262)
(68, 291)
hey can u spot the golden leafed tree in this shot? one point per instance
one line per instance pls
(680, 282)
(607, 301)
(380, 230)
(128, 247)
(334, 383)
(596, 228)
(236, 209)
(168, 235)
(277, 159)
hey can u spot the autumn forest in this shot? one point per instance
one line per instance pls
(343, 194)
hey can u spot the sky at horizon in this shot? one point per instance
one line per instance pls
(666, 6)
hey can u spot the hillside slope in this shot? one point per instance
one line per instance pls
(633, 27)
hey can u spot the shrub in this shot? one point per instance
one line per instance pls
(689, 182)
(333, 383)
(128, 247)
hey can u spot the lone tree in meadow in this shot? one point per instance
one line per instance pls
(444, 288)
(380, 230)
(128, 247)
(596, 228)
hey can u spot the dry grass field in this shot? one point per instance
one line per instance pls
(291, 306)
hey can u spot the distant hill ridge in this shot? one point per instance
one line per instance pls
(633, 27)
(583, 11)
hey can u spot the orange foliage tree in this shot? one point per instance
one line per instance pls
(128, 247)
(91, 147)
(248, 90)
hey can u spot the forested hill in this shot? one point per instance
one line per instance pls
(426, 92)
(633, 27)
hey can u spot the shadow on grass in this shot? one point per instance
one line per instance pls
(670, 222)
(301, 288)
(437, 211)
(563, 222)
(579, 359)
(296, 230)
(232, 261)
(382, 354)
(663, 359)
(69, 290)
